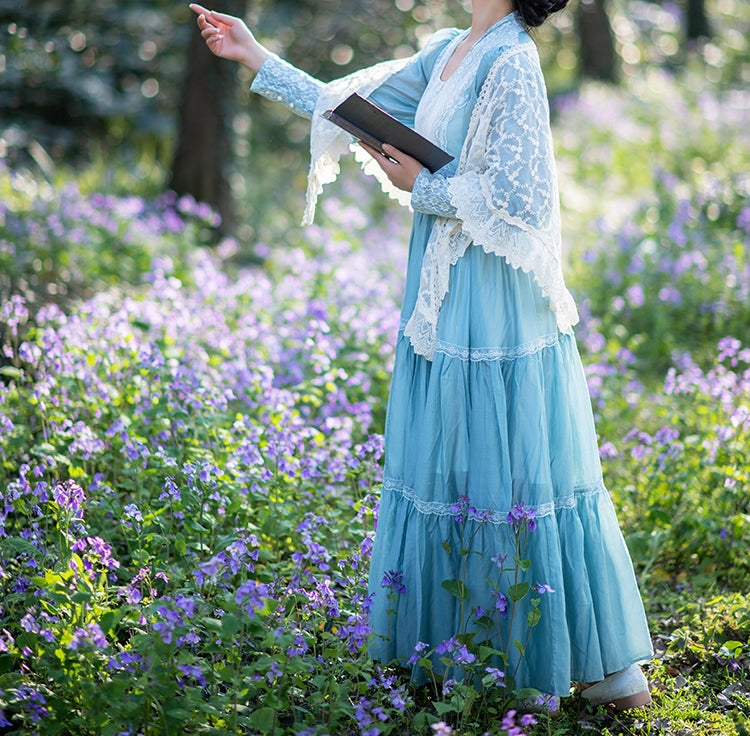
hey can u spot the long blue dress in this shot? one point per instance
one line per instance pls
(500, 416)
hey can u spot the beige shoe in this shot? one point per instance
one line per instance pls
(625, 689)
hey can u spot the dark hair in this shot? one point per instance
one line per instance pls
(534, 12)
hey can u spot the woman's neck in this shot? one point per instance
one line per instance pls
(485, 13)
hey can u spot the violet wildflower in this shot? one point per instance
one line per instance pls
(394, 579)
(441, 728)
(193, 672)
(499, 559)
(419, 647)
(542, 588)
(90, 635)
(251, 596)
(495, 676)
(448, 687)
(33, 702)
(520, 516)
(69, 496)
(548, 702)
(459, 510)
(501, 603)
(457, 651)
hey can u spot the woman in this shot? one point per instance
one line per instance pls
(488, 414)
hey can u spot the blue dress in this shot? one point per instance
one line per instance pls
(498, 418)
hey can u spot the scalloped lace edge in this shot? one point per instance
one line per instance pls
(435, 508)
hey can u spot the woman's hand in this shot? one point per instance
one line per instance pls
(229, 37)
(398, 166)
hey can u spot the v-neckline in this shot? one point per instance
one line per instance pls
(463, 37)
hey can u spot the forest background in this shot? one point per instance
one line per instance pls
(192, 388)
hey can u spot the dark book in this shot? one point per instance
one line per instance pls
(374, 126)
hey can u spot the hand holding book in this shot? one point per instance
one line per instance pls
(374, 127)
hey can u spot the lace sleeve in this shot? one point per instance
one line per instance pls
(507, 196)
(281, 82)
(511, 178)
(431, 195)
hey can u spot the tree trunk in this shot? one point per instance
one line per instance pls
(598, 59)
(203, 155)
(697, 25)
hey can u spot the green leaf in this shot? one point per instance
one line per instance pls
(535, 616)
(443, 708)
(486, 653)
(180, 544)
(485, 622)
(446, 545)
(11, 372)
(518, 592)
(521, 648)
(524, 564)
(230, 624)
(263, 719)
(456, 588)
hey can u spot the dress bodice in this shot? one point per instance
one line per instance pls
(444, 111)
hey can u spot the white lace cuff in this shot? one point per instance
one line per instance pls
(431, 195)
(281, 82)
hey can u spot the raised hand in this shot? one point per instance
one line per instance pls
(229, 37)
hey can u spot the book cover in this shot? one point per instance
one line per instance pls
(374, 126)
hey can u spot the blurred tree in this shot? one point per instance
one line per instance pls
(202, 162)
(84, 72)
(598, 58)
(696, 20)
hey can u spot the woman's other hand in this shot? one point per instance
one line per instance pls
(229, 37)
(399, 167)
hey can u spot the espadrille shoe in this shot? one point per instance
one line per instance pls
(625, 689)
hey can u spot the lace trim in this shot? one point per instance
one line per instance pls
(430, 194)
(496, 353)
(435, 508)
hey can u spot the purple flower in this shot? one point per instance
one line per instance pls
(394, 579)
(497, 676)
(251, 596)
(457, 651)
(501, 603)
(459, 510)
(543, 588)
(90, 635)
(520, 516)
(69, 496)
(441, 728)
(192, 671)
(419, 647)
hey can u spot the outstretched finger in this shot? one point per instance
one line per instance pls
(199, 9)
(222, 17)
